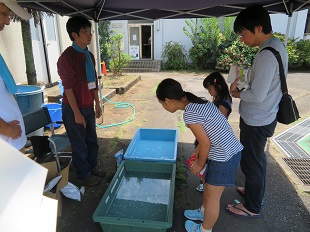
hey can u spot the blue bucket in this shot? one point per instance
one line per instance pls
(55, 112)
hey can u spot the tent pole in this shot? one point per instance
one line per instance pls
(289, 13)
(287, 29)
(99, 72)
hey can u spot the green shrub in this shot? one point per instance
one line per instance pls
(205, 37)
(227, 36)
(174, 56)
(217, 49)
(209, 41)
(293, 59)
(303, 51)
(238, 54)
(118, 59)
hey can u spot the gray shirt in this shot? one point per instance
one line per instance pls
(260, 103)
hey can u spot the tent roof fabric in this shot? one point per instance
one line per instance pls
(159, 9)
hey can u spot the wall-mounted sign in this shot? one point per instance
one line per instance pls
(134, 37)
(134, 52)
(117, 25)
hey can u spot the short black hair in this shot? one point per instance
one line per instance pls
(251, 17)
(75, 24)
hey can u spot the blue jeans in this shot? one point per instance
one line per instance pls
(222, 173)
(83, 140)
(253, 162)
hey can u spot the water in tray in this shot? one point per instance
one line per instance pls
(155, 149)
(142, 196)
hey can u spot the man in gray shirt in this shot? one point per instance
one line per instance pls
(259, 105)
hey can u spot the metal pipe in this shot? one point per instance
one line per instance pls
(99, 73)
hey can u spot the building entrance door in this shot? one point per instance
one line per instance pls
(141, 41)
(147, 42)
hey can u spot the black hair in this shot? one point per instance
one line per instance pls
(75, 24)
(172, 89)
(251, 17)
(217, 80)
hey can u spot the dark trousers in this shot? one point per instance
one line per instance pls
(83, 140)
(253, 162)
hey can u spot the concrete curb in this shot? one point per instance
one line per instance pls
(108, 94)
(124, 88)
(53, 95)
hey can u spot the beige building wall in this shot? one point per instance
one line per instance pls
(12, 50)
(64, 40)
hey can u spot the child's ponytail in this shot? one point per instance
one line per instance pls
(172, 89)
(195, 99)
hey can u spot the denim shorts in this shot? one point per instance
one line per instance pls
(222, 173)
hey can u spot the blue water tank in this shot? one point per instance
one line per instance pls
(29, 98)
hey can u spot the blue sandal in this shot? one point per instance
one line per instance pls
(200, 188)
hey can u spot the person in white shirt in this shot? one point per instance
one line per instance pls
(12, 129)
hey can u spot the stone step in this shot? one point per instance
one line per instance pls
(144, 66)
(141, 70)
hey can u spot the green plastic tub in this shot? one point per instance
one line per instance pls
(139, 198)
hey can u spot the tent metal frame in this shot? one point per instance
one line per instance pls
(209, 9)
(161, 9)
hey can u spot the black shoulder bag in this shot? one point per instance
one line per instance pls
(288, 111)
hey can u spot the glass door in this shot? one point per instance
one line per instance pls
(141, 41)
(134, 42)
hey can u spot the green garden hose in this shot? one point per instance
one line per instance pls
(119, 105)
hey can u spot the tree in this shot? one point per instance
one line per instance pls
(30, 67)
(27, 42)
(104, 40)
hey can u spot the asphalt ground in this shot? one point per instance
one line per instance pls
(286, 206)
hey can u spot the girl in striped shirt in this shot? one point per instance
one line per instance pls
(217, 144)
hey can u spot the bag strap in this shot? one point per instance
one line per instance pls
(282, 76)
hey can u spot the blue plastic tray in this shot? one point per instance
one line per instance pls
(139, 198)
(152, 144)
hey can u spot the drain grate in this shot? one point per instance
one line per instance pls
(289, 140)
(301, 167)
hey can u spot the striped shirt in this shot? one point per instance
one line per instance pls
(224, 143)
